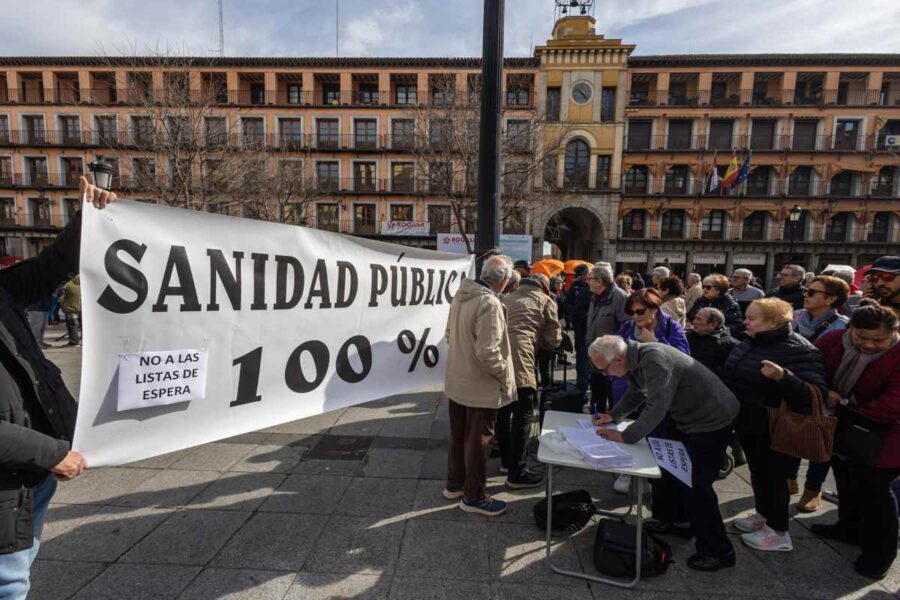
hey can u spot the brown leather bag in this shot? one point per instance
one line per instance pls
(803, 436)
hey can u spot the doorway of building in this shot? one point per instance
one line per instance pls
(575, 232)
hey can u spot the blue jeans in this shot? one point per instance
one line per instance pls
(15, 568)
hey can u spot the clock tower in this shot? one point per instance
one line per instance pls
(581, 90)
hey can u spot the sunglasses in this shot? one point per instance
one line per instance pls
(708, 287)
(639, 312)
(812, 293)
(873, 277)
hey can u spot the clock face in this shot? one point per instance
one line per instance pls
(581, 93)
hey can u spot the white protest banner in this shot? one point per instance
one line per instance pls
(290, 322)
(673, 457)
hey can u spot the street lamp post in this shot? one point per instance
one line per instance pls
(793, 217)
(102, 172)
(487, 232)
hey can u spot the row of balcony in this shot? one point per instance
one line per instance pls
(818, 98)
(764, 187)
(838, 228)
(288, 141)
(514, 99)
(788, 143)
(320, 185)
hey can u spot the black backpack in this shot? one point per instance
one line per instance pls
(614, 550)
(571, 512)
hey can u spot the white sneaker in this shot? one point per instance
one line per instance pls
(768, 540)
(622, 484)
(750, 524)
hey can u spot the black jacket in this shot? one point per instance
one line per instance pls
(712, 350)
(37, 413)
(577, 304)
(793, 295)
(742, 374)
(734, 320)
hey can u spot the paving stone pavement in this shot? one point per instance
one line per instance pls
(347, 505)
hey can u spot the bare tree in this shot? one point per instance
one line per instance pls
(183, 154)
(445, 143)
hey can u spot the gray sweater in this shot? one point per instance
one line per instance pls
(666, 380)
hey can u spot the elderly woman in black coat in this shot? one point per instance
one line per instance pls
(773, 364)
(716, 295)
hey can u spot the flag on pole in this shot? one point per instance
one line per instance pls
(744, 171)
(731, 173)
(713, 176)
(879, 123)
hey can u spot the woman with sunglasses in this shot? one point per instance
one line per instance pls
(647, 323)
(863, 366)
(773, 364)
(818, 316)
(716, 295)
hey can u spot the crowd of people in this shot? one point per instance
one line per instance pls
(699, 360)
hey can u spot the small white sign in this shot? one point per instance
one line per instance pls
(631, 256)
(161, 377)
(670, 257)
(709, 258)
(673, 457)
(749, 259)
(405, 228)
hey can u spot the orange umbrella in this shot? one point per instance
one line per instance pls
(570, 265)
(548, 266)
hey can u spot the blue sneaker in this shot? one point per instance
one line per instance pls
(487, 506)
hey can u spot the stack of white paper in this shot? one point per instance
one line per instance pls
(596, 451)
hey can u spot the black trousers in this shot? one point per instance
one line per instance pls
(867, 507)
(514, 425)
(601, 392)
(674, 502)
(769, 474)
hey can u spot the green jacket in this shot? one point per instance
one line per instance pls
(71, 302)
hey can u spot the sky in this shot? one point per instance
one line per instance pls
(436, 27)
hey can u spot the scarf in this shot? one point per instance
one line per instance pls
(853, 363)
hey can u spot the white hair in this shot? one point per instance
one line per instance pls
(796, 270)
(515, 278)
(662, 272)
(497, 269)
(603, 273)
(601, 263)
(609, 347)
(744, 273)
(693, 279)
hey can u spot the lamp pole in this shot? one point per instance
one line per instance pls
(793, 217)
(487, 231)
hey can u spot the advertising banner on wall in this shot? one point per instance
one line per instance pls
(517, 247)
(200, 327)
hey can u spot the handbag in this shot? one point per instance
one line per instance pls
(859, 439)
(803, 436)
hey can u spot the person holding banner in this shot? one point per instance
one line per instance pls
(696, 408)
(479, 382)
(37, 413)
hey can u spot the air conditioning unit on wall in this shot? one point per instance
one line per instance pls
(892, 140)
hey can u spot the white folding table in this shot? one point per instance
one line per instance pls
(645, 467)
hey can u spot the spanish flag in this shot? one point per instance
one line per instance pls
(731, 174)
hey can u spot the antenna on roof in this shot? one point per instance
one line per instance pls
(221, 31)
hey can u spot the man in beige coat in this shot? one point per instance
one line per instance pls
(479, 381)
(533, 325)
